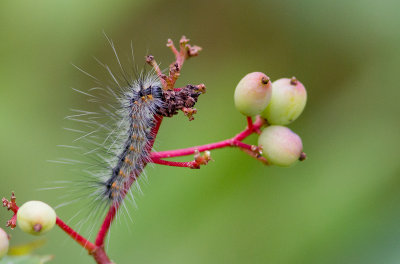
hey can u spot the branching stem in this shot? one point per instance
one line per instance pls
(236, 141)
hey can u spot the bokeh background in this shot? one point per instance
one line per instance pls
(342, 205)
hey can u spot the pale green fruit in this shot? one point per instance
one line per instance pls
(280, 145)
(36, 217)
(4, 244)
(287, 102)
(252, 94)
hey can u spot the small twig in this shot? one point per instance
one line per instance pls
(185, 51)
(256, 155)
(195, 164)
(89, 246)
(170, 44)
(249, 122)
(188, 164)
(151, 61)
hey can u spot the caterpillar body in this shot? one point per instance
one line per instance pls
(140, 108)
(115, 140)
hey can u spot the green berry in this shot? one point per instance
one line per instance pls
(3, 243)
(280, 145)
(36, 217)
(252, 94)
(287, 102)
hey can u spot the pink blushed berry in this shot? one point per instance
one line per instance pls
(287, 102)
(253, 93)
(36, 217)
(280, 145)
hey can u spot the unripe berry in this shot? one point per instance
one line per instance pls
(252, 94)
(287, 102)
(3, 243)
(36, 217)
(280, 145)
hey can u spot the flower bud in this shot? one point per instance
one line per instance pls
(252, 94)
(280, 145)
(3, 243)
(287, 101)
(36, 217)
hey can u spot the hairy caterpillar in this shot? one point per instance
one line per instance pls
(116, 139)
(139, 104)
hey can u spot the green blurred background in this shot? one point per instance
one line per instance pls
(340, 206)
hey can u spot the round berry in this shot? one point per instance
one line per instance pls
(280, 145)
(36, 217)
(287, 102)
(3, 243)
(252, 94)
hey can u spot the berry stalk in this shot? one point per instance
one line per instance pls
(89, 246)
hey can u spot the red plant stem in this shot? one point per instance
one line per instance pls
(11, 205)
(14, 208)
(101, 257)
(249, 122)
(114, 208)
(106, 224)
(242, 145)
(75, 236)
(189, 151)
(232, 142)
(189, 164)
(171, 45)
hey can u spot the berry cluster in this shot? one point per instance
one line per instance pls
(279, 103)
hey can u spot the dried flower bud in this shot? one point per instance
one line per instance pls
(253, 93)
(287, 102)
(36, 217)
(280, 145)
(3, 243)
